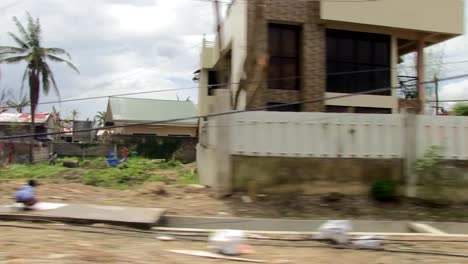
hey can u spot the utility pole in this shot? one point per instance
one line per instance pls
(436, 82)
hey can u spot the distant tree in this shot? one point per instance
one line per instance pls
(29, 49)
(460, 109)
(18, 103)
(3, 105)
(101, 118)
(74, 114)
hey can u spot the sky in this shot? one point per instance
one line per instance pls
(123, 46)
(119, 46)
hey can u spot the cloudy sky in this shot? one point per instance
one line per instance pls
(119, 46)
(125, 46)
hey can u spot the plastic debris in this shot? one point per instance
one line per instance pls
(336, 231)
(227, 242)
(165, 238)
(368, 242)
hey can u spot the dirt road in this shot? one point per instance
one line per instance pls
(30, 245)
(198, 201)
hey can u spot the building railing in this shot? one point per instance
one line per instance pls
(408, 87)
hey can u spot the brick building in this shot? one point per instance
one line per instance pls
(323, 49)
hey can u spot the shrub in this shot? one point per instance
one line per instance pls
(171, 164)
(384, 190)
(432, 181)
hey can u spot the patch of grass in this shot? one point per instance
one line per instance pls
(187, 177)
(35, 171)
(96, 173)
(171, 164)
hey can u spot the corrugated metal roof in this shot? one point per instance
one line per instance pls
(147, 110)
(41, 118)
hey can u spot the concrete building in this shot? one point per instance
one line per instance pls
(332, 47)
(271, 52)
(19, 123)
(140, 112)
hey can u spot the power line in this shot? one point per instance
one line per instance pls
(223, 113)
(224, 84)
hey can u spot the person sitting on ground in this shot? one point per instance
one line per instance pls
(27, 194)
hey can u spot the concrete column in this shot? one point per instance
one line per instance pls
(223, 176)
(421, 69)
(409, 143)
(394, 71)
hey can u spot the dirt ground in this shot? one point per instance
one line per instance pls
(198, 201)
(31, 245)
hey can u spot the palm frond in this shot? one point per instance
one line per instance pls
(57, 51)
(22, 30)
(51, 76)
(17, 59)
(33, 31)
(25, 76)
(45, 80)
(19, 41)
(11, 50)
(58, 59)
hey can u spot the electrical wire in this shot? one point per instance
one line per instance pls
(224, 113)
(226, 84)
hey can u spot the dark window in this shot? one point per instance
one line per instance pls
(286, 108)
(173, 135)
(358, 110)
(212, 80)
(284, 50)
(349, 51)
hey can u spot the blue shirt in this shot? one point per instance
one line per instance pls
(26, 193)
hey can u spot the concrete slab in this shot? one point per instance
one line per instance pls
(424, 228)
(86, 213)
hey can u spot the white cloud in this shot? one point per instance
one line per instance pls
(120, 46)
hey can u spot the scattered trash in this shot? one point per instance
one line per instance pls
(165, 238)
(336, 231)
(227, 242)
(246, 199)
(223, 213)
(206, 254)
(368, 242)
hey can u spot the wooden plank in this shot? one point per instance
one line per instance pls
(206, 254)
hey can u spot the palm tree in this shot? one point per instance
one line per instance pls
(3, 96)
(101, 118)
(74, 114)
(37, 58)
(18, 103)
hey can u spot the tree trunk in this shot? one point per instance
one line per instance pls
(32, 132)
(34, 96)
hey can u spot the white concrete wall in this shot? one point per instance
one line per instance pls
(234, 38)
(364, 100)
(329, 135)
(441, 16)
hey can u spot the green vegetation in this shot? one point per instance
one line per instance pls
(385, 190)
(95, 172)
(461, 109)
(432, 180)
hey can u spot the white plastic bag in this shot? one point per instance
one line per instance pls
(227, 242)
(336, 231)
(368, 242)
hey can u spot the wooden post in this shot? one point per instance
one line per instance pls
(421, 70)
